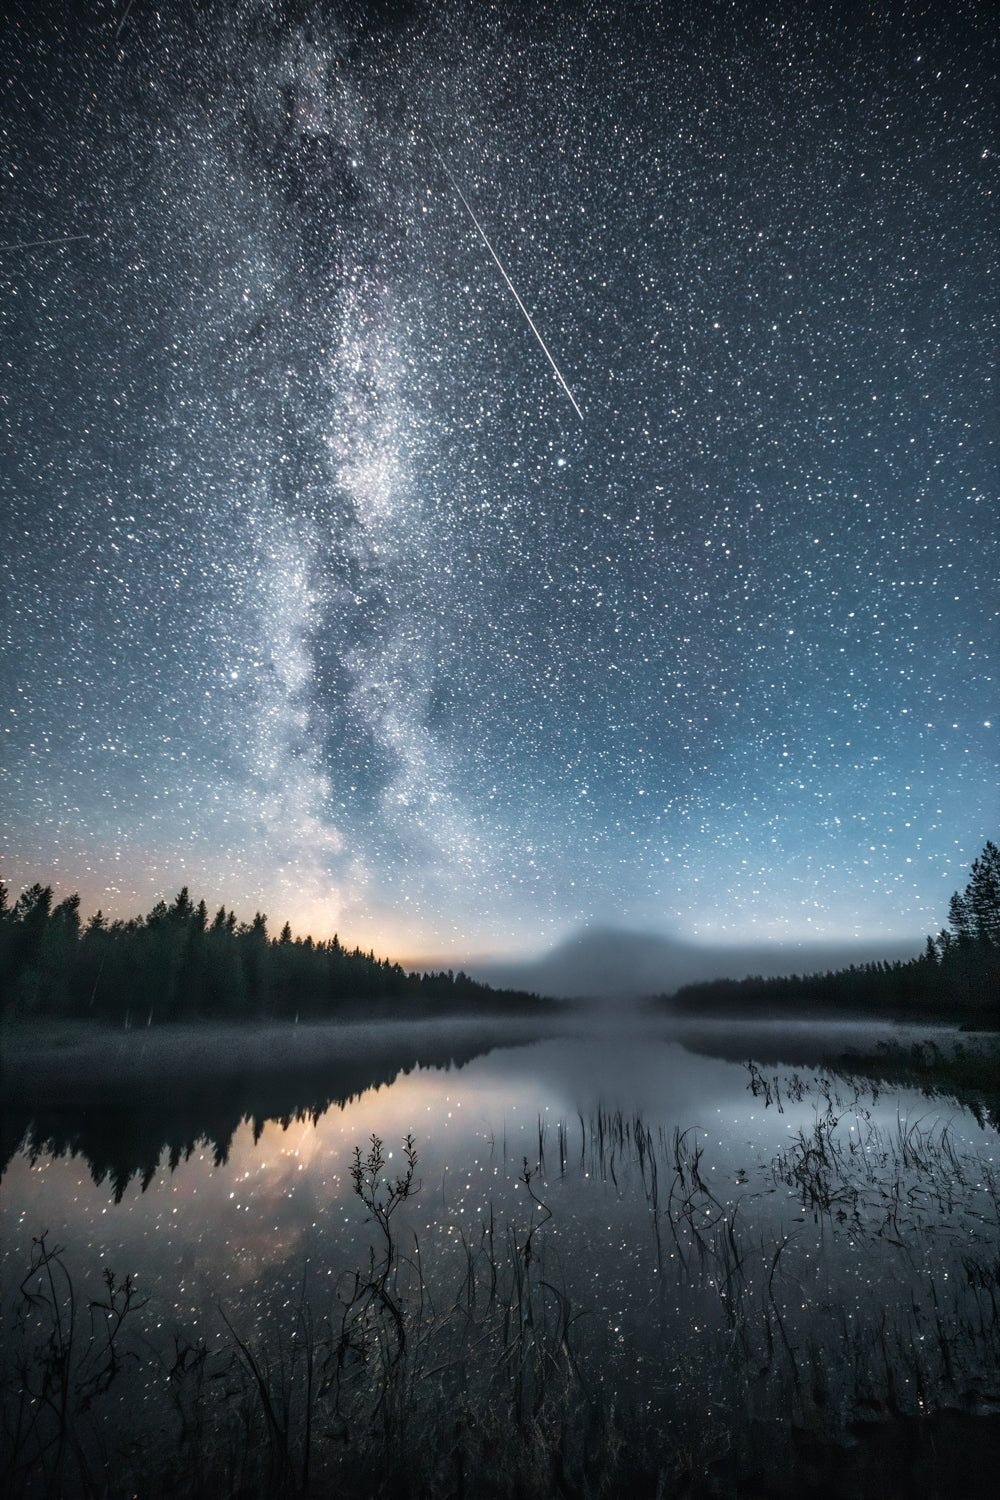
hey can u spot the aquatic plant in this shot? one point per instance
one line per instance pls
(488, 1369)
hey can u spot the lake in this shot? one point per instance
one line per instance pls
(718, 1234)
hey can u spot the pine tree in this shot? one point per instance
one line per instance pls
(982, 895)
(960, 916)
(182, 909)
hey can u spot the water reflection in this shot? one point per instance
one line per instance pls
(133, 1104)
(705, 1216)
(128, 1103)
(137, 1104)
(230, 1151)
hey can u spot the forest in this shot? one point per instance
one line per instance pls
(178, 964)
(957, 976)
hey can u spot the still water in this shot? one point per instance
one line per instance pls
(685, 1187)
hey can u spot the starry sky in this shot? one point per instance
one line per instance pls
(320, 595)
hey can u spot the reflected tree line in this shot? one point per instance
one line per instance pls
(177, 964)
(957, 975)
(125, 1124)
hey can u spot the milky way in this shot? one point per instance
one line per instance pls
(318, 595)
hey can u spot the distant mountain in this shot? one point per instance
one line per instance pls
(615, 963)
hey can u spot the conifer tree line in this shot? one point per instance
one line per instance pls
(179, 963)
(176, 963)
(957, 973)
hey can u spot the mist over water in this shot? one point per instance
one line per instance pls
(226, 1157)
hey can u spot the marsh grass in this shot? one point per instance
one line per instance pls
(852, 1277)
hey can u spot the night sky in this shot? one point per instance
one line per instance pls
(319, 596)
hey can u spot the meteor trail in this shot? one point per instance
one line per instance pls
(513, 289)
(65, 239)
(121, 23)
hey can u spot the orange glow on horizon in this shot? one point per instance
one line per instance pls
(402, 940)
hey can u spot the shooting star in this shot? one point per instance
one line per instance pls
(66, 239)
(513, 289)
(121, 23)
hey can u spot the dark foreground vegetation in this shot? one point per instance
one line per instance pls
(178, 964)
(491, 1367)
(957, 976)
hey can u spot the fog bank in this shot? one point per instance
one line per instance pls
(615, 963)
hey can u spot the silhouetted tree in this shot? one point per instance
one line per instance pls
(29, 921)
(173, 965)
(960, 917)
(982, 895)
(958, 971)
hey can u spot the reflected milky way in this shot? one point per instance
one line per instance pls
(318, 595)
